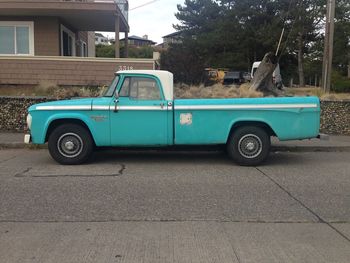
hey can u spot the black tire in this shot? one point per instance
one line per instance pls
(249, 145)
(70, 144)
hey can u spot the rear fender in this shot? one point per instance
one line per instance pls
(251, 122)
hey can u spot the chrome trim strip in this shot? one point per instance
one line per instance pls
(184, 107)
(73, 107)
(245, 107)
(136, 108)
(98, 107)
(102, 107)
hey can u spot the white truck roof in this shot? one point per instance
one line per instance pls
(165, 77)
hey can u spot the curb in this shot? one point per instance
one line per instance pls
(20, 145)
(310, 148)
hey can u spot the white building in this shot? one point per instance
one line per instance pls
(101, 39)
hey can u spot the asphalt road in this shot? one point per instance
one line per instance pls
(174, 207)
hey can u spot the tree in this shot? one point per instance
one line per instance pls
(231, 34)
(341, 57)
(105, 51)
(235, 33)
(108, 51)
(185, 61)
(308, 16)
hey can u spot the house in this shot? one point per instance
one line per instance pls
(139, 41)
(101, 39)
(173, 38)
(54, 40)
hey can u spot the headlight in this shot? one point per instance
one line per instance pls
(29, 121)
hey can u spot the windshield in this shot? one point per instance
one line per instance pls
(110, 91)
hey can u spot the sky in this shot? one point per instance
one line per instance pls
(155, 20)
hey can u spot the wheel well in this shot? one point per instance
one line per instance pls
(260, 124)
(54, 124)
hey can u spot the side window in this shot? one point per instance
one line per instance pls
(144, 89)
(125, 89)
(138, 88)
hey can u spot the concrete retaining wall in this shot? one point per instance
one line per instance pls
(335, 117)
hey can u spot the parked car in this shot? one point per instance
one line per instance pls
(139, 109)
(233, 78)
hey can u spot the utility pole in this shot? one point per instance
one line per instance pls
(328, 47)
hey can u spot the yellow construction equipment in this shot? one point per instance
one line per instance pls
(216, 74)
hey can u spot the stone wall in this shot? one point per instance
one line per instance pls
(335, 117)
(13, 112)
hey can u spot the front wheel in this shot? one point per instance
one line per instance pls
(70, 144)
(249, 145)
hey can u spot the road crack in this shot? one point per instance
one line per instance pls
(122, 169)
(22, 174)
(25, 174)
(8, 159)
(319, 218)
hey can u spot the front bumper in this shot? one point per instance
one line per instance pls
(27, 139)
(323, 137)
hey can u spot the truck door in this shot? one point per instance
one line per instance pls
(141, 117)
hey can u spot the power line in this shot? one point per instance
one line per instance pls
(145, 4)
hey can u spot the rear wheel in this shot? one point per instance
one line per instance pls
(249, 145)
(70, 144)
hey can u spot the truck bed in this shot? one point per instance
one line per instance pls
(209, 121)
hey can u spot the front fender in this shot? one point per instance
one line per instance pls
(42, 123)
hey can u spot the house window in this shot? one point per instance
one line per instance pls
(16, 38)
(83, 49)
(67, 42)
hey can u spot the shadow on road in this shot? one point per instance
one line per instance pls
(178, 157)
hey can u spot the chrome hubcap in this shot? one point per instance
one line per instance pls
(250, 146)
(70, 145)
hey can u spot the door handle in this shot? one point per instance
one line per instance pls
(159, 104)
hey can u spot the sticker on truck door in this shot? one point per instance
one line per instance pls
(186, 118)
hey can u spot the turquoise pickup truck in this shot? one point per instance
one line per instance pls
(139, 109)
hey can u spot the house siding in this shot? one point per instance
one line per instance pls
(64, 71)
(46, 36)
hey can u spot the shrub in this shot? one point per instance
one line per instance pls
(340, 83)
(216, 91)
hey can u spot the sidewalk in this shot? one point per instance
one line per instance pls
(335, 143)
(167, 242)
